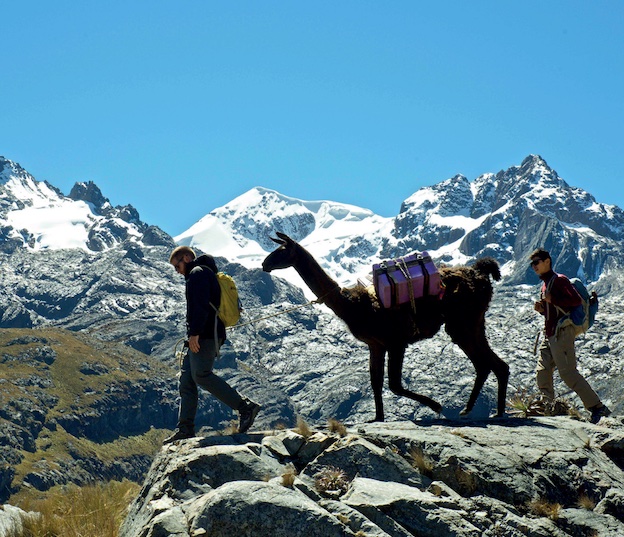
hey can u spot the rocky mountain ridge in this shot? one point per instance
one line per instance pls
(36, 215)
(540, 477)
(504, 215)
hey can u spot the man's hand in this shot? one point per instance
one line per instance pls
(539, 306)
(194, 343)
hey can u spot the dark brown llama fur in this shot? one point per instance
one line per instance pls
(468, 292)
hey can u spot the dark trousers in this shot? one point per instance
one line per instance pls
(197, 371)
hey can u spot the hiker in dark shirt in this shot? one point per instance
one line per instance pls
(558, 297)
(206, 333)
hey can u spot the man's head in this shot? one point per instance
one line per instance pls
(180, 257)
(541, 261)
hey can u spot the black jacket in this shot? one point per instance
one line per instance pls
(202, 288)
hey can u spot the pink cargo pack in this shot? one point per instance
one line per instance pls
(398, 281)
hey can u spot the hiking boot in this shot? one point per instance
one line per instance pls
(599, 412)
(247, 415)
(180, 434)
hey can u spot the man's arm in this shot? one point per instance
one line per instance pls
(198, 296)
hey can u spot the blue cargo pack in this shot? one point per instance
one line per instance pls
(582, 316)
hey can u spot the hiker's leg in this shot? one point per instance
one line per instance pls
(201, 368)
(188, 397)
(564, 357)
(544, 372)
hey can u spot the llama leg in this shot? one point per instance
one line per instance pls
(395, 382)
(498, 367)
(482, 375)
(466, 337)
(484, 360)
(501, 370)
(376, 363)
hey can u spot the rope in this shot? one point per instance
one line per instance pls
(403, 267)
(319, 300)
(180, 354)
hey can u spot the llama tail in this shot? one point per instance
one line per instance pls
(488, 266)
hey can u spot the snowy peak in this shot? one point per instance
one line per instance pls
(37, 216)
(242, 229)
(90, 193)
(451, 197)
(23, 186)
(505, 215)
(273, 211)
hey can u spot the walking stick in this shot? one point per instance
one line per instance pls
(537, 339)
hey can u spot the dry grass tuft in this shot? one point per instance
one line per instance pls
(586, 502)
(337, 427)
(230, 429)
(331, 482)
(72, 511)
(303, 428)
(544, 508)
(289, 476)
(525, 403)
(420, 461)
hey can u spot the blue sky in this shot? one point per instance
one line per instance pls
(179, 107)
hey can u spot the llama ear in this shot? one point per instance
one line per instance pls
(278, 241)
(283, 236)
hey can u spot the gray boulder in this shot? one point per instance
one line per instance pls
(541, 477)
(12, 520)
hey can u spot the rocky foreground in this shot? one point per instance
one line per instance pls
(546, 476)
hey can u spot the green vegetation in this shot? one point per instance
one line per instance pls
(63, 373)
(526, 403)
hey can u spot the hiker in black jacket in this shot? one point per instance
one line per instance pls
(206, 333)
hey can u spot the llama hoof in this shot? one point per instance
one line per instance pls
(465, 411)
(499, 415)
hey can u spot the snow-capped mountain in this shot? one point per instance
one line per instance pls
(38, 216)
(505, 215)
(75, 262)
(242, 230)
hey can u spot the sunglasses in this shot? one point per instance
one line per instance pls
(536, 262)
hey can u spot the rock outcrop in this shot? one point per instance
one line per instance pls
(12, 520)
(542, 477)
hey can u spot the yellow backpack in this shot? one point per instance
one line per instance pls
(230, 306)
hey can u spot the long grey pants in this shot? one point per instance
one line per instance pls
(558, 352)
(197, 371)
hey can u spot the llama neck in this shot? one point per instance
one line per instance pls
(317, 280)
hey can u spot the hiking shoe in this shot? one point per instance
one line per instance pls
(179, 435)
(597, 413)
(247, 415)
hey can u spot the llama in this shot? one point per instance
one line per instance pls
(462, 310)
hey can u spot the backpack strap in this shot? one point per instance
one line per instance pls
(216, 332)
(549, 286)
(551, 282)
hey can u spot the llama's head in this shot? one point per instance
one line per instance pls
(284, 257)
